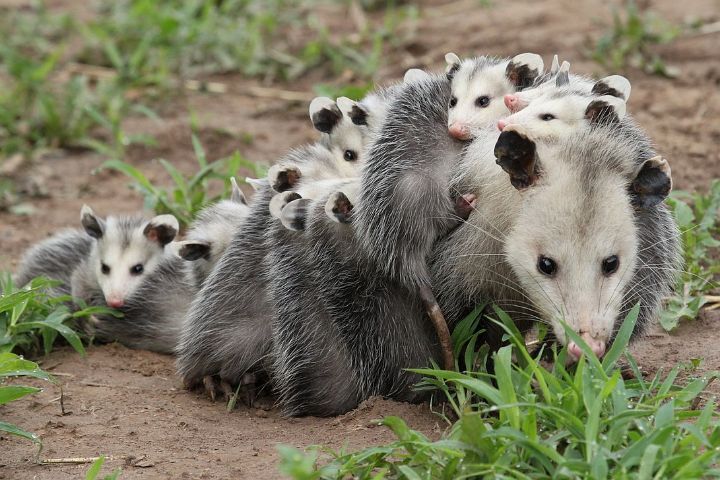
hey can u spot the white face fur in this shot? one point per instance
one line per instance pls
(477, 100)
(574, 259)
(123, 257)
(558, 113)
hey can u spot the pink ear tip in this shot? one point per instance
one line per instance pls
(501, 125)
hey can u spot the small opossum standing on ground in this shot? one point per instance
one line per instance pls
(116, 262)
(130, 268)
(210, 234)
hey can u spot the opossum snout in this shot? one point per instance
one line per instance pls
(115, 301)
(597, 346)
(511, 102)
(459, 131)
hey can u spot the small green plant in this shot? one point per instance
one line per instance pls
(697, 217)
(187, 196)
(94, 472)
(12, 366)
(521, 420)
(631, 39)
(31, 318)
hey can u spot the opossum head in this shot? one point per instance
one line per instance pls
(478, 86)
(346, 124)
(211, 233)
(560, 112)
(562, 80)
(574, 243)
(126, 250)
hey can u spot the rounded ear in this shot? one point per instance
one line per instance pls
(523, 69)
(93, 225)
(453, 65)
(357, 114)
(191, 250)
(652, 183)
(415, 75)
(162, 229)
(563, 75)
(237, 195)
(614, 85)
(605, 109)
(517, 156)
(555, 65)
(325, 114)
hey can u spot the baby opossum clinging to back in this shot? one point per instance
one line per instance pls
(210, 234)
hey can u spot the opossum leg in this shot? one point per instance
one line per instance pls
(441, 327)
(226, 389)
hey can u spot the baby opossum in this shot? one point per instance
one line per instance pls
(406, 202)
(115, 262)
(130, 269)
(210, 234)
(479, 85)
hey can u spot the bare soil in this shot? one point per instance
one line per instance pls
(130, 404)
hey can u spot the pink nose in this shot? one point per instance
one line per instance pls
(511, 102)
(459, 131)
(501, 125)
(115, 302)
(597, 346)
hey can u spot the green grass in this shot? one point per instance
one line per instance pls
(524, 420)
(94, 472)
(697, 217)
(187, 196)
(13, 366)
(632, 38)
(32, 319)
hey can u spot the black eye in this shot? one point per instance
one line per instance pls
(610, 265)
(546, 266)
(350, 155)
(453, 102)
(104, 268)
(136, 269)
(483, 101)
(547, 117)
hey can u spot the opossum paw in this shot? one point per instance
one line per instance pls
(211, 387)
(279, 201)
(339, 207)
(283, 178)
(294, 215)
(465, 204)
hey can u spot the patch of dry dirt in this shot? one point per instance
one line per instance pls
(129, 404)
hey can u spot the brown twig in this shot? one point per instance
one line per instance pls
(441, 327)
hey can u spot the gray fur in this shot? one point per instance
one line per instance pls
(55, 258)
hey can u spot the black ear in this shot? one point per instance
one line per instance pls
(358, 115)
(652, 184)
(614, 85)
(523, 69)
(192, 251)
(325, 114)
(162, 229)
(94, 226)
(517, 155)
(606, 110)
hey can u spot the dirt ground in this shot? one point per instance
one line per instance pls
(130, 404)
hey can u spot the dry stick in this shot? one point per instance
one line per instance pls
(441, 327)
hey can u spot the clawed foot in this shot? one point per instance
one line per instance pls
(283, 178)
(339, 207)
